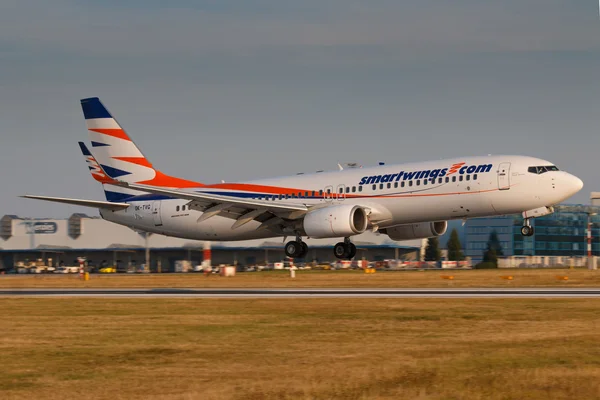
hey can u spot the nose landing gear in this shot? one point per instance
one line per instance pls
(527, 229)
(345, 250)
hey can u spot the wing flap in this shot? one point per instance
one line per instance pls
(105, 205)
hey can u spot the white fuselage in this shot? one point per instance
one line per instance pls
(399, 194)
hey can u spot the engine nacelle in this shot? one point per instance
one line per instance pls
(416, 231)
(335, 221)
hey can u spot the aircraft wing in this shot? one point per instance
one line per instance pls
(105, 205)
(243, 211)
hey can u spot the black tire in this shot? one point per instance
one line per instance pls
(532, 231)
(340, 250)
(352, 251)
(304, 251)
(526, 230)
(292, 249)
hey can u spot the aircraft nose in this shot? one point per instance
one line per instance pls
(573, 184)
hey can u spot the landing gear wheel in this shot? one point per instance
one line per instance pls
(352, 251)
(340, 250)
(293, 249)
(304, 251)
(296, 249)
(527, 230)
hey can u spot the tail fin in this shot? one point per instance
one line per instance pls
(113, 193)
(118, 155)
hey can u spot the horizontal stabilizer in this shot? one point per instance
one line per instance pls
(105, 205)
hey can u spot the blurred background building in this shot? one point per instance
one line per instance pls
(103, 243)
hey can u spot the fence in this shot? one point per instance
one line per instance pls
(545, 262)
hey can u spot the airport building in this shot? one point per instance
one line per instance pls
(103, 243)
(561, 234)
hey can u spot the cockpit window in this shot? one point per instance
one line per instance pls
(542, 169)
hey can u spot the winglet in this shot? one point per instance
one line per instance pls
(96, 169)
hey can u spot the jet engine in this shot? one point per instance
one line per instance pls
(416, 231)
(335, 221)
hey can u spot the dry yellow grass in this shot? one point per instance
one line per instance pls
(181, 349)
(464, 278)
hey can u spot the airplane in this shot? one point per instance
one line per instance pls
(403, 201)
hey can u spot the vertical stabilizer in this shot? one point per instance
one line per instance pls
(118, 155)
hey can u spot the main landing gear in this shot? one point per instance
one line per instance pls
(527, 229)
(296, 248)
(345, 250)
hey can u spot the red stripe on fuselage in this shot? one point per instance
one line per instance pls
(162, 180)
(258, 188)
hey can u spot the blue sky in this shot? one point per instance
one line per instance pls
(239, 90)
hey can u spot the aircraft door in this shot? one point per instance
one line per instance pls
(156, 213)
(341, 192)
(504, 176)
(328, 192)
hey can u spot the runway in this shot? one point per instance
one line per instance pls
(308, 293)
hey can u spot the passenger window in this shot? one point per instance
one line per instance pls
(468, 177)
(177, 208)
(381, 186)
(347, 189)
(341, 190)
(389, 185)
(374, 187)
(453, 179)
(305, 194)
(396, 185)
(440, 180)
(460, 178)
(424, 181)
(328, 191)
(418, 182)
(402, 184)
(320, 193)
(410, 183)
(353, 189)
(360, 188)
(280, 196)
(475, 177)
(286, 196)
(313, 193)
(447, 179)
